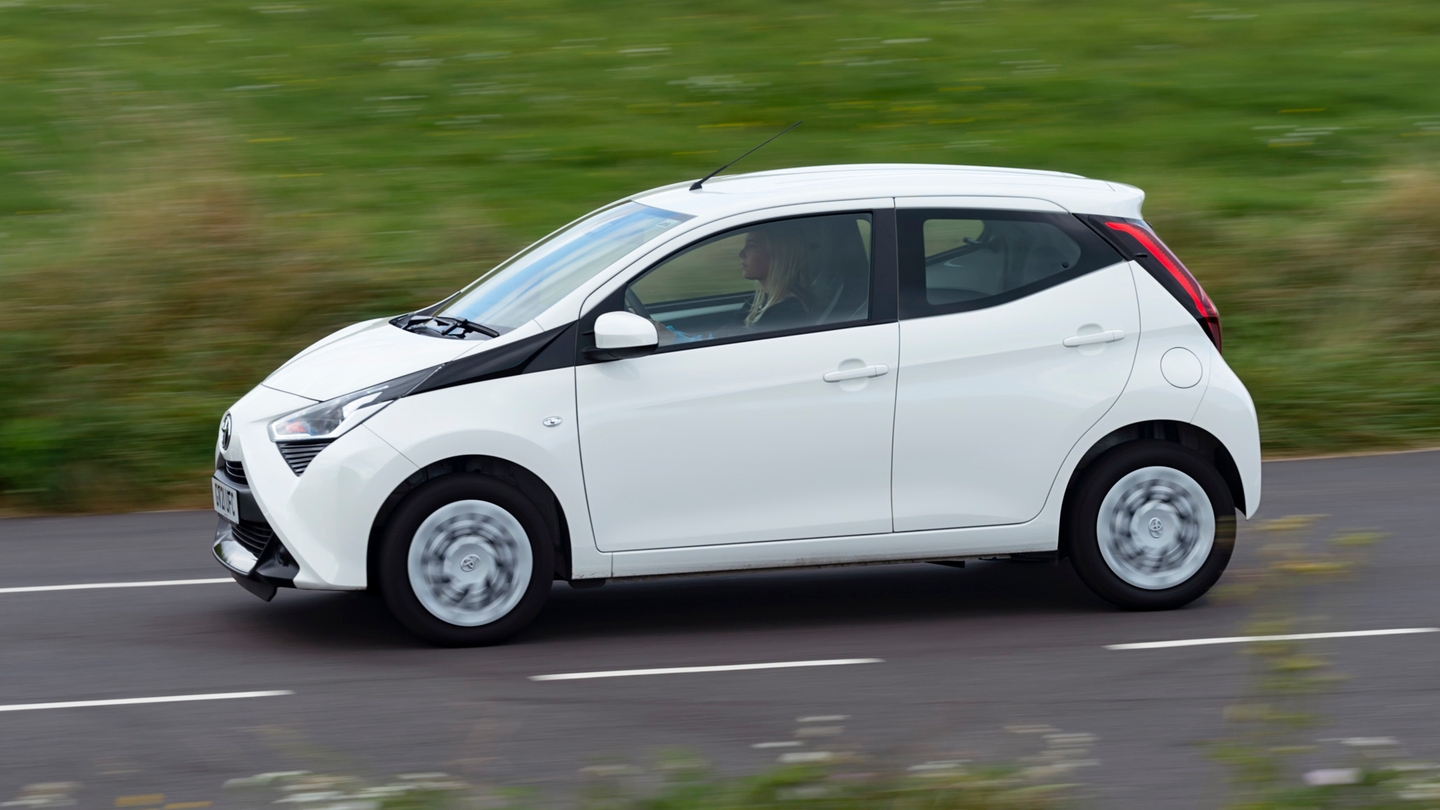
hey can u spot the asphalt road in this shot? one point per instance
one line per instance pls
(966, 654)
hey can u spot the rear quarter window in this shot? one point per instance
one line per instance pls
(957, 260)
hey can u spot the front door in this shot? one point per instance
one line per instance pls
(766, 414)
(1018, 331)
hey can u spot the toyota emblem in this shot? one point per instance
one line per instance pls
(1157, 527)
(225, 432)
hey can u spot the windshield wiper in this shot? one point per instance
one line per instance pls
(448, 325)
(463, 325)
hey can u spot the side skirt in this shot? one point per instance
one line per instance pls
(946, 544)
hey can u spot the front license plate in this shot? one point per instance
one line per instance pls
(227, 501)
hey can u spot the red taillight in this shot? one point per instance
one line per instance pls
(1204, 309)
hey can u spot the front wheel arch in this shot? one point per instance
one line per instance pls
(531, 485)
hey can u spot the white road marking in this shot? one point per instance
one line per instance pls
(90, 586)
(81, 704)
(1200, 642)
(626, 673)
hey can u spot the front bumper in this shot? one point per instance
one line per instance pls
(250, 550)
(322, 517)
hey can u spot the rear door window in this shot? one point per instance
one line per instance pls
(957, 260)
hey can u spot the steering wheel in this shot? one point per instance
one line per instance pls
(635, 305)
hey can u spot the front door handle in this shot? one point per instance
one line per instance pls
(856, 373)
(1099, 337)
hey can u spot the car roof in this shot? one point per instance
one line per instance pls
(740, 193)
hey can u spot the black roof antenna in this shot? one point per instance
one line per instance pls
(698, 183)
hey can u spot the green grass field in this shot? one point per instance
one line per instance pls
(191, 192)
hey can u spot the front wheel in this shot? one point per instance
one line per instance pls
(466, 560)
(1152, 526)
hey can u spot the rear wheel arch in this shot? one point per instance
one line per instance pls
(1183, 434)
(532, 486)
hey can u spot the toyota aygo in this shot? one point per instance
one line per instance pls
(809, 367)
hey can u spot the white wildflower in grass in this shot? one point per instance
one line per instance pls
(1333, 776)
(797, 757)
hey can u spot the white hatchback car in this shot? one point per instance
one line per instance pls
(808, 367)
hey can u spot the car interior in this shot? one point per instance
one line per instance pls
(968, 260)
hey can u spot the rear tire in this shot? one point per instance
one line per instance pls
(1152, 526)
(466, 561)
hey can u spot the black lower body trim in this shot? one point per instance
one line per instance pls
(259, 574)
(259, 587)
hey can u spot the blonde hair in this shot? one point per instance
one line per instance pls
(789, 275)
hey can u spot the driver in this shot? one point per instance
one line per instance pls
(777, 257)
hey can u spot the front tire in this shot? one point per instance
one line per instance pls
(1152, 526)
(466, 561)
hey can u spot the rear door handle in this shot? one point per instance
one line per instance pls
(1099, 337)
(856, 373)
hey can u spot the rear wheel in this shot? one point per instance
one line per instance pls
(1152, 526)
(466, 560)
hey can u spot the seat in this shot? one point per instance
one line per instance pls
(1033, 251)
(1044, 261)
(841, 284)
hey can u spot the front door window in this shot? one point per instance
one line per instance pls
(786, 275)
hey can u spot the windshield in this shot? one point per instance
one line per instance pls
(531, 282)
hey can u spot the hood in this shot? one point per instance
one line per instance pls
(368, 353)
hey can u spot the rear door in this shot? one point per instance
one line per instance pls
(1018, 330)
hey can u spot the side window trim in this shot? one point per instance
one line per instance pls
(884, 286)
(884, 267)
(1095, 254)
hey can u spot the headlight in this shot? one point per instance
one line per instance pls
(334, 417)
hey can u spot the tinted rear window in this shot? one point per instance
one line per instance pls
(954, 260)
